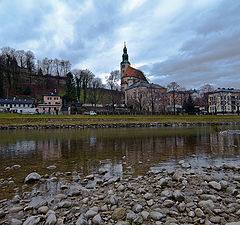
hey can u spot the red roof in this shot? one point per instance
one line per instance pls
(132, 72)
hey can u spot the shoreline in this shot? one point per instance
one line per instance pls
(205, 195)
(115, 125)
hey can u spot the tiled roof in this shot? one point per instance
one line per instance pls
(16, 101)
(143, 84)
(132, 72)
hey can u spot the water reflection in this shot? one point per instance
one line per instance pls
(121, 151)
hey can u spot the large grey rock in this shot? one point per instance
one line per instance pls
(32, 177)
(168, 203)
(113, 200)
(145, 215)
(131, 215)
(51, 219)
(91, 213)
(148, 196)
(178, 195)
(64, 204)
(43, 210)
(156, 215)
(137, 208)
(206, 204)
(16, 209)
(16, 222)
(32, 220)
(167, 193)
(178, 175)
(199, 213)
(215, 185)
(82, 220)
(97, 219)
(162, 182)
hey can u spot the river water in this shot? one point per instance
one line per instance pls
(123, 151)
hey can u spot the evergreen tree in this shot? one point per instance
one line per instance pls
(189, 106)
(1, 85)
(70, 95)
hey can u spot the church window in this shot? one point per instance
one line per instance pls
(123, 66)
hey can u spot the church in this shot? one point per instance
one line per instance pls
(140, 95)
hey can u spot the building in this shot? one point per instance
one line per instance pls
(145, 97)
(129, 75)
(52, 104)
(224, 100)
(25, 106)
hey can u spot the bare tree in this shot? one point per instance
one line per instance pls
(173, 88)
(94, 94)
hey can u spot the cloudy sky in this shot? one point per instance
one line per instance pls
(192, 42)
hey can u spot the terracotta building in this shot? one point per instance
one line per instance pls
(52, 104)
(129, 75)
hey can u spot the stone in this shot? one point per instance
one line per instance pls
(15, 209)
(131, 215)
(119, 213)
(233, 223)
(97, 219)
(215, 185)
(2, 213)
(150, 202)
(91, 213)
(185, 165)
(32, 177)
(145, 215)
(162, 182)
(224, 184)
(167, 193)
(148, 196)
(64, 204)
(121, 187)
(16, 222)
(137, 208)
(51, 219)
(122, 223)
(113, 200)
(102, 171)
(43, 210)
(206, 204)
(32, 220)
(181, 207)
(138, 220)
(156, 215)
(52, 167)
(215, 219)
(178, 175)
(82, 220)
(168, 203)
(178, 195)
(199, 213)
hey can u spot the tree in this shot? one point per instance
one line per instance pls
(1, 84)
(173, 88)
(87, 76)
(70, 95)
(189, 105)
(78, 74)
(204, 92)
(112, 83)
(94, 94)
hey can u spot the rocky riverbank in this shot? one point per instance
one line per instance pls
(208, 195)
(114, 125)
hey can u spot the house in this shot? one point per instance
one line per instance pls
(25, 106)
(52, 104)
(224, 100)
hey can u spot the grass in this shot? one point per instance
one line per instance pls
(19, 119)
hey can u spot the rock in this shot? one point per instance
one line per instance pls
(16, 222)
(97, 219)
(232, 190)
(185, 165)
(64, 204)
(199, 213)
(208, 197)
(145, 215)
(32, 177)
(113, 200)
(121, 187)
(206, 204)
(43, 210)
(215, 185)
(15, 166)
(178, 195)
(156, 215)
(51, 219)
(32, 220)
(123, 223)
(102, 171)
(119, 213)
(16, 199)
(181, 207)
(150, 202)
(15, 209)
(137, 208)
(52, 167)
(224, 184)
(167, 193)
(138, 220)
(233, 223)
(91, 213)
(2, 213)
(148, 196)
(215, 219)
(131, 215)
(178, 175)
(82, 220)
(168, 203)
(162, 182)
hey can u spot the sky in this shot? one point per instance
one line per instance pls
(191, 42)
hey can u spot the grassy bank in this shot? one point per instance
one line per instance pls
(19, 119)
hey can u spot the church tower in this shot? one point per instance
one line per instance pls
(125, 63)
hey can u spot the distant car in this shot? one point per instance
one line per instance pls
(92, 113)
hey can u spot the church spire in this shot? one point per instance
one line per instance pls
(125, 55)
